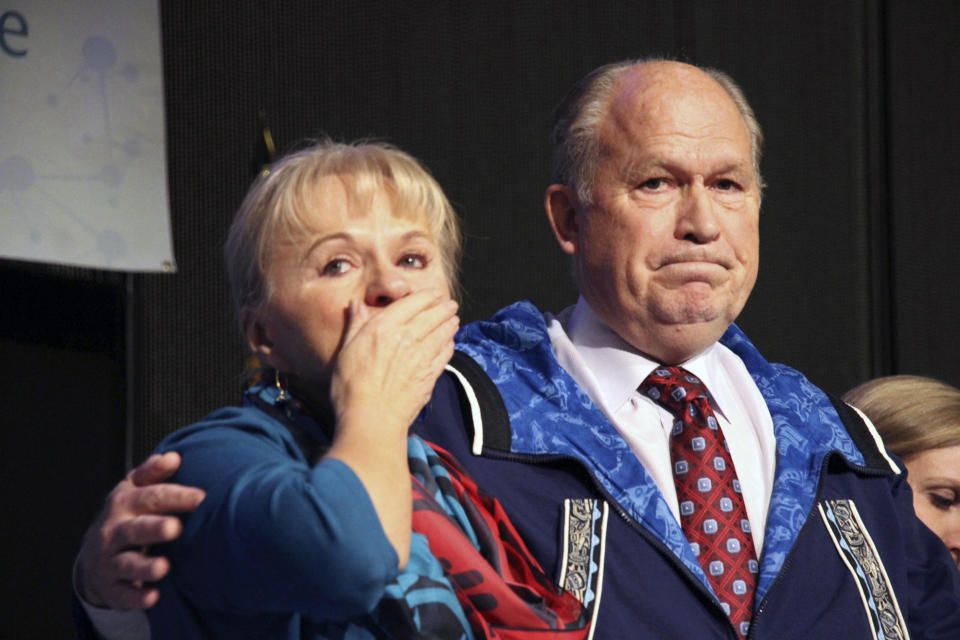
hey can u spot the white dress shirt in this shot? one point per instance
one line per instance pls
(610, 371)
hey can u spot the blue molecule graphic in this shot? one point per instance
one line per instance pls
(99, 54)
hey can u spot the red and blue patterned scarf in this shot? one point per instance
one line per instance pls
(501, 587)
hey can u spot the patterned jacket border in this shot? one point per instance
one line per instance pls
(858, 552)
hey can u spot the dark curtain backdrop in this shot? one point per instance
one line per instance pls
(858, 270)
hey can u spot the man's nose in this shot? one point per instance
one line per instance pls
(697, 219)
(385, 285)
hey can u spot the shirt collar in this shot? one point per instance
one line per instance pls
(618, 367)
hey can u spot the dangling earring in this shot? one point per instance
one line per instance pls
(281, 392)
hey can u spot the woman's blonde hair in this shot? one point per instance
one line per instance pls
(912, 413)
(280, 200)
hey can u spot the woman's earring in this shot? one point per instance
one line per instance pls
(281, 392)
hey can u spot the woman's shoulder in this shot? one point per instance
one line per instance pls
(231, 427)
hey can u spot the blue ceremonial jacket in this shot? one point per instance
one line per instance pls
(844, 556)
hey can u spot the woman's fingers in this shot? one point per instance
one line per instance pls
(391, 358)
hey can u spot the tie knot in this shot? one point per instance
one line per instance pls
(673, 387)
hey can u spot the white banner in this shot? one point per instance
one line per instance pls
(83, 177)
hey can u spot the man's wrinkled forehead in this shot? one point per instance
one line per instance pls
(671, 99)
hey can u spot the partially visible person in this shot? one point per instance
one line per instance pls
(320, 517)
(919, 420)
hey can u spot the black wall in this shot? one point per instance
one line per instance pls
(858, 271)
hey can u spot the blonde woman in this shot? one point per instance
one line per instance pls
(919, 419)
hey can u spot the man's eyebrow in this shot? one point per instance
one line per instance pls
(631, 169)
(734, 166)
(634, 169)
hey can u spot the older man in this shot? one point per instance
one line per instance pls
(652, 460)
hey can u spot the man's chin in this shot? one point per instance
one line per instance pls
(692, 311)
(679, 338)
(699, 303)
(698, 325)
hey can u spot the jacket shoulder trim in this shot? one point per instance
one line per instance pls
(488, 414)
(864, 436)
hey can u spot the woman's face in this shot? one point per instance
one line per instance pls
(934, 476)
(353, 252)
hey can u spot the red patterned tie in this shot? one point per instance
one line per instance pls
(712, 512)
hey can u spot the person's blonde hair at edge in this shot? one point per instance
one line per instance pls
(278, 204)
(912, 413)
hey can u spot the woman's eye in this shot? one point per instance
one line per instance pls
(943, 499)
(336, 267)
(413, 261)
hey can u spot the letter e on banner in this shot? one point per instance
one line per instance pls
(12, 24)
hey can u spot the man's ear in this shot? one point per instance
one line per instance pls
(255, 332)
(560, 202)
